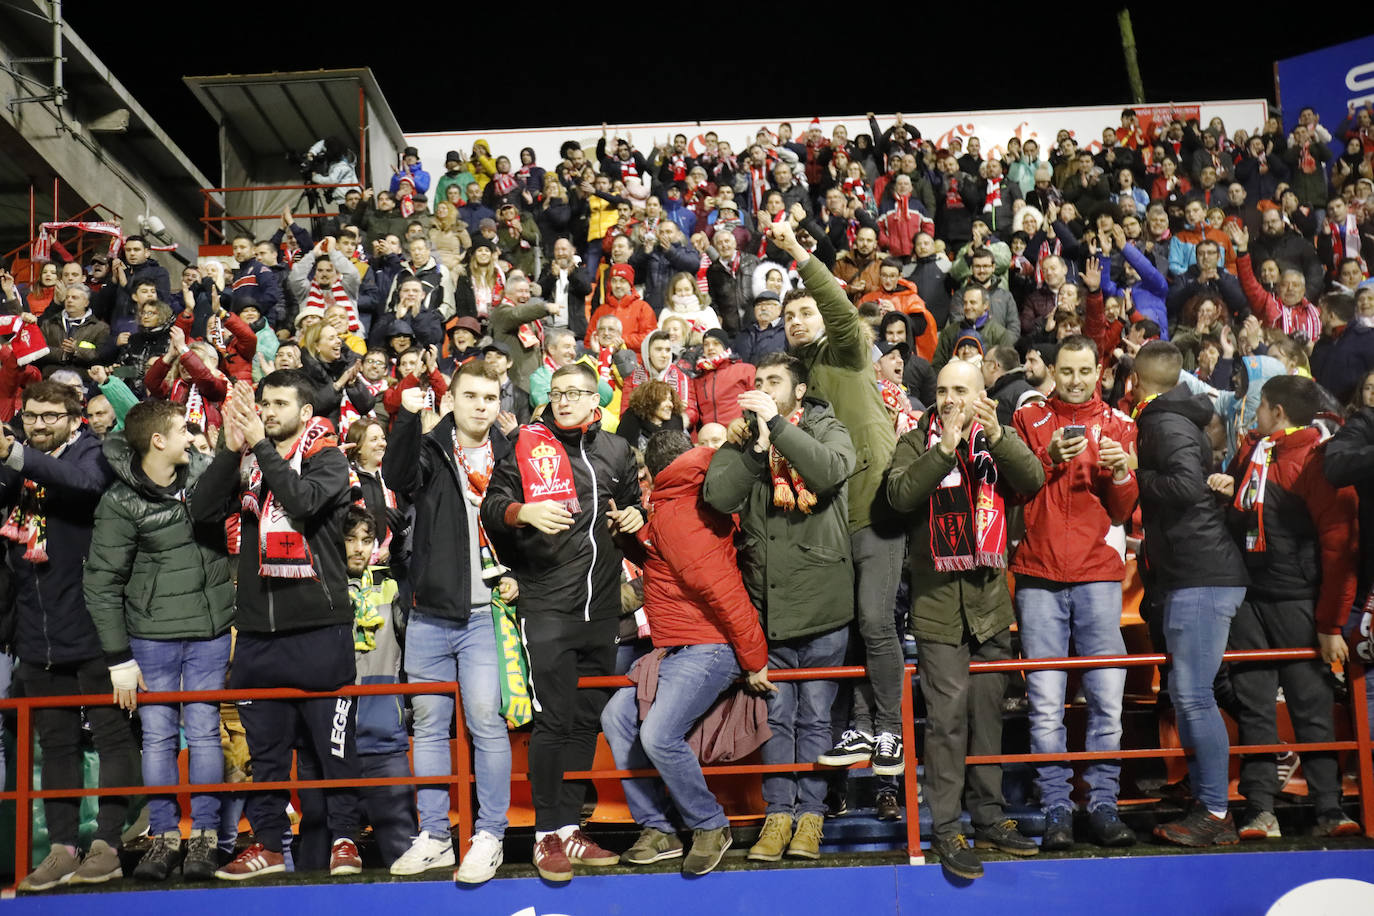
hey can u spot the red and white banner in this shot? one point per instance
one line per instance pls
(993, 128)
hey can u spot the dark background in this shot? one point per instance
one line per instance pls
(446, 67)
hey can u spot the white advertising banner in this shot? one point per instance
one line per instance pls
(993, 128)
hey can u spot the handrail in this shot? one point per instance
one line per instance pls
(463, 774)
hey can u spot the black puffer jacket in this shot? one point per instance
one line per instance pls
(1187, 544)
(53, 625)
(576, 572)
(1350, 462)
(317, 499)
(422, 467)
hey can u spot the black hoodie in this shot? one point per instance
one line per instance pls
(1187, 544)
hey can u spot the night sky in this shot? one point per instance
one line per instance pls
(442, 70)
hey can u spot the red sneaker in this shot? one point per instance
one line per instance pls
(551, 861)
(254, 861)
(583, 851)
(344, 858)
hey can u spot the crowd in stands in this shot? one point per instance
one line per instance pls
(698, 418)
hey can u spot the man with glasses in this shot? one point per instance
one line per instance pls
(50, 485)
(553, 508)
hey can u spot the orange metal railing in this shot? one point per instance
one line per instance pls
(214, 224)
(463, 776)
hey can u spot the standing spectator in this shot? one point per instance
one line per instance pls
(952, 477)
(1344, 354)
(50, 486)
(1195, 573)
(294, 617)
(1300, 540)
(559, 517)
(1068, 582)
(785, 475)
(411, 169)
(161, 595)
(451, 635)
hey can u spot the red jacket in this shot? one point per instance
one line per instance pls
(240, 346)
(213, 386)
(391, 400)
(693, 592)
(637, 319)
(899, 226)
(717, 392)
(1067, 521)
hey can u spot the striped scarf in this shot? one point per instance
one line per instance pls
(789, 490)
(336, 296)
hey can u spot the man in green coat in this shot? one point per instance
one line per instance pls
(159, 590)
(825, 332)
(952, 477)
(784, 471)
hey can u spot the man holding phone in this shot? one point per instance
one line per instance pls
(1068, 569)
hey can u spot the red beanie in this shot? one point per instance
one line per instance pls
(624, 271)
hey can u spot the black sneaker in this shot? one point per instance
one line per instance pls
(1108, 828)
(887, 756)
(161, 858)
(837, 800)
(888, 804)
(1199, 828)
(853, 747)
(1004, 836)
(1058, 830)
(202, 856)
(956, 858)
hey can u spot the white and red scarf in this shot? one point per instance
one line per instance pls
(476, 465)
(968, 520)
(994, 197)
(504, 182)
(335, 296)
(283, 551)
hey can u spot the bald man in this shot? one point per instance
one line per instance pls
(951, 477)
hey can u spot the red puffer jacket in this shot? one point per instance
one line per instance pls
(693, 592)
(717, 391)
(1067, 521)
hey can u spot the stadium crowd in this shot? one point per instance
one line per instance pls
(698, 418)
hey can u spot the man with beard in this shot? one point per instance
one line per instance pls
(858, 267)
(294, 616)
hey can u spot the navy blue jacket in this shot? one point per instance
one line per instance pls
(53, 626)
(1339, 364)
(754, 344)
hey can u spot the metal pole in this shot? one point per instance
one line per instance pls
(57, 92)
(1123, 19)
(362, 138)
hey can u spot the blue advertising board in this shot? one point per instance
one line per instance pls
(1330, 80)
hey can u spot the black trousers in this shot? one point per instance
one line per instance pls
(319, 659)
(561, 649)
(59, 736)
(963, 717)
(1307, 690)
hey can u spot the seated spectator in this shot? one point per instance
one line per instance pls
(707, 633)
(74, 335)
(687, 302)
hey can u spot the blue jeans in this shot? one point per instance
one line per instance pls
(182, 664)
(1197, 623)
(446, 650)
(1090, 613)
(690, 680)
(799, 717)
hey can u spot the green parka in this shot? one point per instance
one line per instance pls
(797, 566)
(151, 572)
(841, 372)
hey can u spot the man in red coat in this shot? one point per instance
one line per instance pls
(707, 629)
(637, 318)
(1069, 569)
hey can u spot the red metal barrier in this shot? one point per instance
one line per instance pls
(24, 792)
(215, 224)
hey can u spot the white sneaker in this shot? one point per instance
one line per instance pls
(484, 856)
(425, 853)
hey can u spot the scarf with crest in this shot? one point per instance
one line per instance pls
(283, 551)
(968, 521)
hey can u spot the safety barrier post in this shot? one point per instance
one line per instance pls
(463, 772)
(23, 780)
(913, 792)
(1359, 710)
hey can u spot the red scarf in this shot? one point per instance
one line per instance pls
(477, 480)
(545, 472)
(968, 522)
(679, 166)
(603, 363)
(789, 490)
(994, 198)
(711, 363)
(758, 186)
(1250, 488)
(283, 551)
(1306, 161)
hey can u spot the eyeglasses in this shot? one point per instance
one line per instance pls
(48, 418)
(572, 396)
